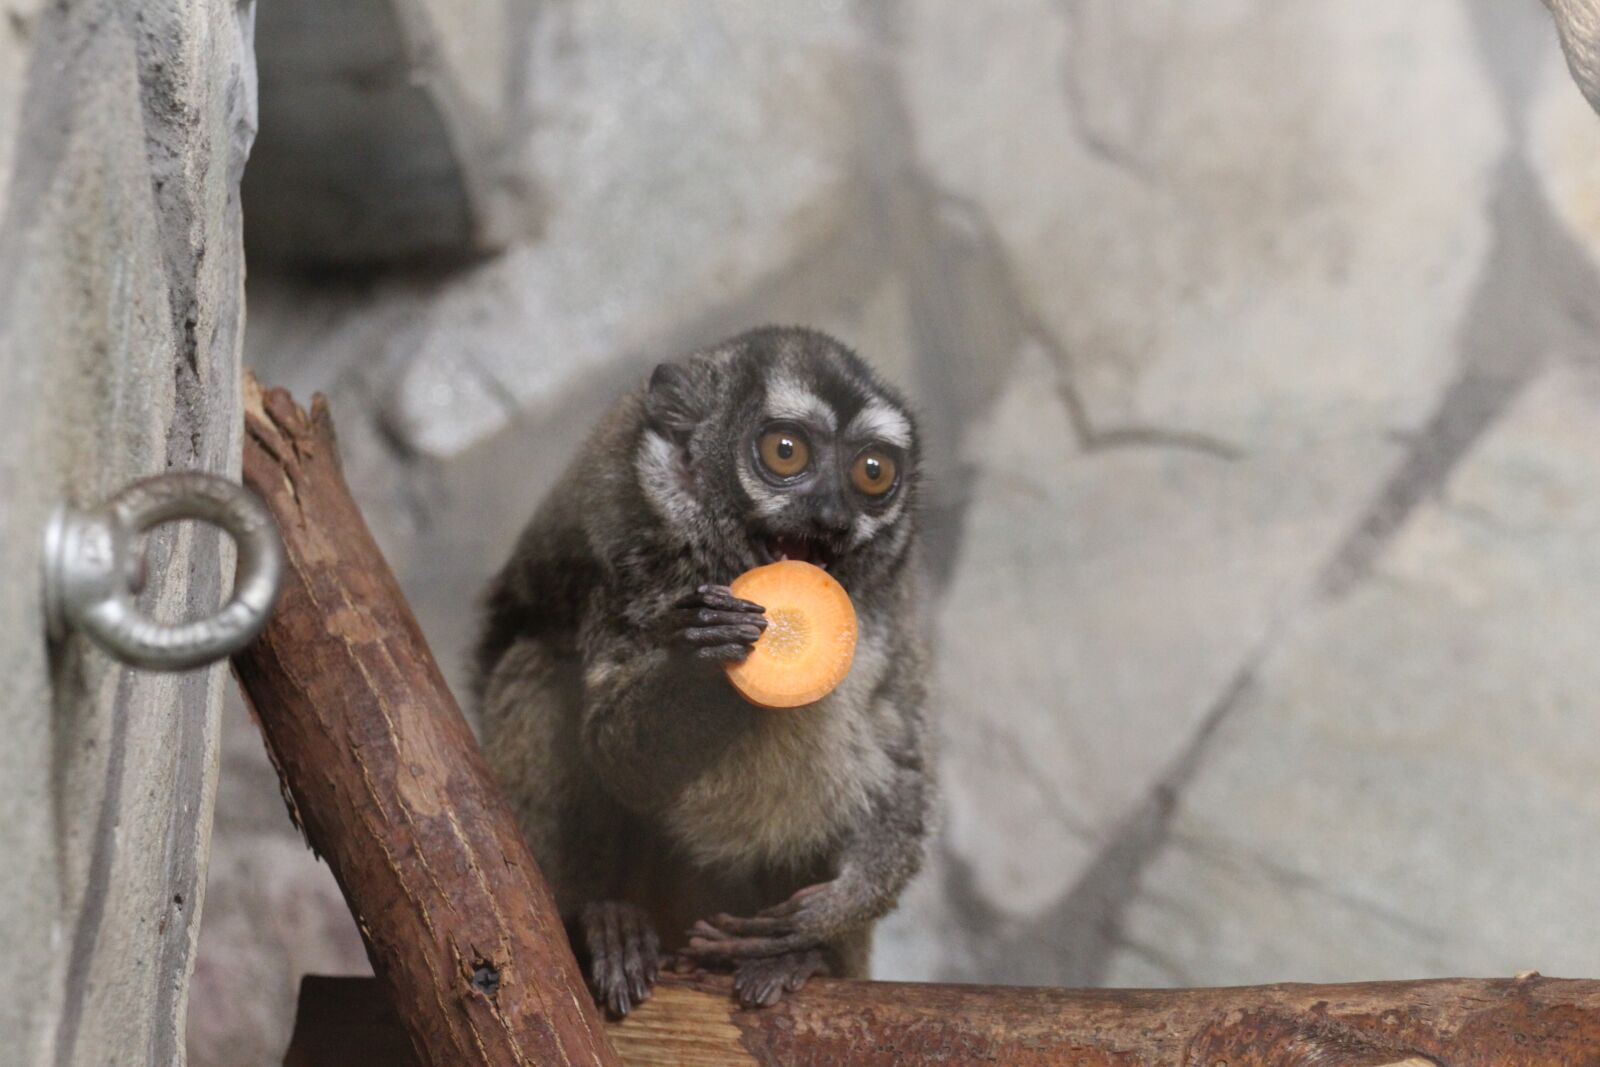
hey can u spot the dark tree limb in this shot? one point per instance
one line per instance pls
(1458, 1022)
(383, 775)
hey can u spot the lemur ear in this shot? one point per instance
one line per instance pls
(671, 402)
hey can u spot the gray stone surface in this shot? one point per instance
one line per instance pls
(1253, 210)
(1407, 787)
(122, 137)
(1211, 309)
(734, 113)
(389, 125)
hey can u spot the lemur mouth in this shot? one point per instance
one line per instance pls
(774, 547)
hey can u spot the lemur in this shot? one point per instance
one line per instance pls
(668, 814)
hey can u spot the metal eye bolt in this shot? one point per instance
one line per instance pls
(93, 571)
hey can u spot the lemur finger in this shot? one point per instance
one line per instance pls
(742, 948)
(802, 972)
(650, 952)
(796, 968)
(599, 923)
(762, 982)
(721, 635)
(744, 987)
(720, 598)
(757, 988)
(594, 933)
(613, 928)
(611, 940)
(703, 929)
(706, 617)
(724, 653)
(798, 900)
(780, 911)
(618, 997)
(741, 927)
(633, 968)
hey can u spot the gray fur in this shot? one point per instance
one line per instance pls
(636, 772)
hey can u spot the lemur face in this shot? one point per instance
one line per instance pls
(824, 464)
(781, 444)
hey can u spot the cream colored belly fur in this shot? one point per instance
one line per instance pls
(785, 790)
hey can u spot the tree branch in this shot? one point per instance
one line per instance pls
(385, 779)
(1457, 1022)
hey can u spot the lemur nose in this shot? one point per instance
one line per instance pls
(833, 518)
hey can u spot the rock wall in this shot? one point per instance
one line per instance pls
(1255, 342)
(123, 133)
(388, 122)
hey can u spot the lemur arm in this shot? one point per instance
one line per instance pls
(877, 861)
(656, 707)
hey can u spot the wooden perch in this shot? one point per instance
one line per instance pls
(385, 779)
(1456, 1022)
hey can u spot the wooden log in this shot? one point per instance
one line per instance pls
(384, 777)
(1459, 1022)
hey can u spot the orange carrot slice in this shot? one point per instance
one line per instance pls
(809, 641)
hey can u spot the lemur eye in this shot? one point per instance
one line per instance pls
(873, 472)
(784, 452)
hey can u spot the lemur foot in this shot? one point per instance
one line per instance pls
(761, 983)
(802, 922)
(717, 626)
(624, 954)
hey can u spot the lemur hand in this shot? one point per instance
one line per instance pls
(714, 625)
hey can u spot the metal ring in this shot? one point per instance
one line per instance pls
(94, 572)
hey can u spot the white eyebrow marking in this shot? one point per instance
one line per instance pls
(788, 399)
(767, 502)
(880, 422)
(866, 527)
